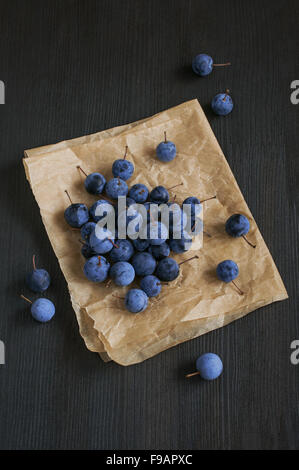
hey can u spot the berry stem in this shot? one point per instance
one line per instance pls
(126, 150)
(226, 93)
(33, 262)
(82, 243)
(207, 233)
(108, 283)
(172, 187)
(222, 65)
(238, 288)
(117, 297)
(249, 243)
(118, 181)
(165, 139)
(192, 375)
(114, 244)
(100, 261)
(67, 193)
(208, 199)
(25, 298)
(190, 259)
(81, 169)
(162, 283)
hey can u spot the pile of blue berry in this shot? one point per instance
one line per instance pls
(122, 260)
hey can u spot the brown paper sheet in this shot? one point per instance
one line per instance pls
(196, 302)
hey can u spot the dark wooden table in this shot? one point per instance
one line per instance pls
(76, 67)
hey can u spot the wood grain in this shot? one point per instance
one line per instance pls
(72, 67)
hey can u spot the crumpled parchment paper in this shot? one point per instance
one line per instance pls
(196, 302)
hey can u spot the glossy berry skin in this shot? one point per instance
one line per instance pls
(237, 225)
(227, 270)
(139, 193)
(95, 210)
(96, 268)
(151, 285)
(122, 273)
(181, 245)
(123, 169)
(157, 233)
(116, 187)
(159, 251)
(166, 151)
(95, 183)
(86, 251)
(42, 310)
(202, 65)
(159, 195)
(140, 244)
(76, 215)
(100, 241)
(222, 104)
(209, 366)
(143, 263)
(124, 251)
(136, 300)
(167, 269)
(38, 280)
(86, 230)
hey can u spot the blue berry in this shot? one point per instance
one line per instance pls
(143, 263)
(159, 195)
(151, 285)
(209, 366)
(122, 168)
(202, 64)
(122, 273)
(159, 251)
(227, 270)
(76, 215)
(237, 225)
(140, 244)
(101, 241)
(181, 245)
(116, 187)
(166, 151)
(124, 251)
(222, 104)
(95, 183)
(101, 209)
(38, 280)
(96, 268)
(86, 230)
(139, 193)
(167, 269)
(194, 202)
(42, 310)
(136, 300)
